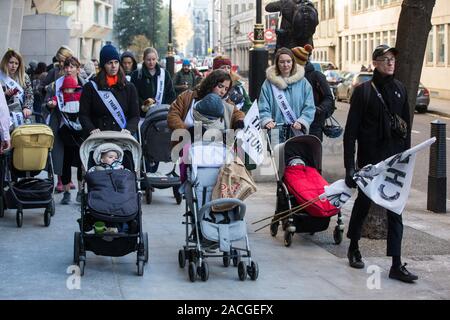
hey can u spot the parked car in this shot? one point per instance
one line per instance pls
(423, 99)
(351, 80)
(334, 77)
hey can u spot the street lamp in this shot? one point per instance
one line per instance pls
(170, 59)
(258, 56)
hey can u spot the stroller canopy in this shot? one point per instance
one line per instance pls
(210, 155)
(307, 147)
(124, 140)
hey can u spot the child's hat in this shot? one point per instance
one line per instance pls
(70, 83)
(106, 147)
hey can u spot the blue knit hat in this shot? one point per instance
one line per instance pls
(186, 62)
(108, 53)
(211, 106)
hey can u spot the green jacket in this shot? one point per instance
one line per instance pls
(182, 78)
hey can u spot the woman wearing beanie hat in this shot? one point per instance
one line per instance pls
(238, 95)
(97, 110)
(285, 85)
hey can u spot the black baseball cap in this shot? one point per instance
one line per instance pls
(382, 49)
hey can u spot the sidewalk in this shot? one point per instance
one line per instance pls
(35, 259)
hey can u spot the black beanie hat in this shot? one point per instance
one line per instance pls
(108, 53)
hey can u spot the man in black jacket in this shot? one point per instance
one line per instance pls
(368, 123)
(323, 98)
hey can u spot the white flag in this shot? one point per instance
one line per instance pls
(337, 193)
(252, 143)
(388, 183)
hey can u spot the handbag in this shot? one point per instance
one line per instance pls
(233, 181)
(399, 127)
(332, 128)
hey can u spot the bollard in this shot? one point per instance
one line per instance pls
(437, 174)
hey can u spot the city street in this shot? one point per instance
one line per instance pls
(37, 261)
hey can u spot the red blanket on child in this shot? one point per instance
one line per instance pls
(306, 183)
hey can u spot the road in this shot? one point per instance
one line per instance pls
(421, 132)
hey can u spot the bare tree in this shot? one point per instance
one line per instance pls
(414, 25)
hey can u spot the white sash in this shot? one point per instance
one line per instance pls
(16, 119)
(60, 98)
(284, 105)
(189, 120)
(11, 84)
(112, 105)
(160, 90)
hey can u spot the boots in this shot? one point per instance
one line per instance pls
(66, 198)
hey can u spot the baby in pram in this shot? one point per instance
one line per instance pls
(108, 156)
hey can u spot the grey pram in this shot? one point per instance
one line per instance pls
(155, 138)
(208, 233)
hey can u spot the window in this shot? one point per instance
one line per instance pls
(353, 48)
(365, 4)
(385, 38)
(250, 6)
(243, 7)
(440, 43)
(96, 13)
(393, 38)
(347, 49)
(430, 52)
(364, 47)
(236, 9)
(377, 39)
(229, 9)
(331, 9)
(323, 10)
(69, 8)
(107, 13)
(358, 48)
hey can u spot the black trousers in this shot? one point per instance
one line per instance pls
(395, 224)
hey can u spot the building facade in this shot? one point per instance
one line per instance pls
(349, 30)
(83, 25)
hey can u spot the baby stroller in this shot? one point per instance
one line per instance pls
(156, 144)
(308, 220)
(21, 189)
(112, 198)
(209, 233)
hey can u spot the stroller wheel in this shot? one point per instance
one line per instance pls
(181, 258)
(177, 195)
(192, 271)
(19, 218)
(148, 195)
(81, 265)
(226, 259)
(236, 257)
(274, 229)
(2, 207)
(140, 267)
(76, 248)
(253, 270)
(146, 247)
(47, 217)
(338, 235)
(287, 238)
(51, 208)
(242, 271)
(204, 271)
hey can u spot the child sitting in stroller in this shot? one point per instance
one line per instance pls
(108, 156)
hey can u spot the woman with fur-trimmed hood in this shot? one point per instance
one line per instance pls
(286, 78)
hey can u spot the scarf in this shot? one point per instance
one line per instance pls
(112, 80)
(207, 123)
(384, 121)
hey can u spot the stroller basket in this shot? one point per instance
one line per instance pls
(33, 190)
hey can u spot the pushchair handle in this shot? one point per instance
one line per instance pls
(240, 203)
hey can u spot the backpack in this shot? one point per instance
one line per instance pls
(304, 20)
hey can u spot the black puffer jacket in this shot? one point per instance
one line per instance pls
(323, 99)
(95, 115)
(368, 123)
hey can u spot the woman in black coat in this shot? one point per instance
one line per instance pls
(94, 115)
